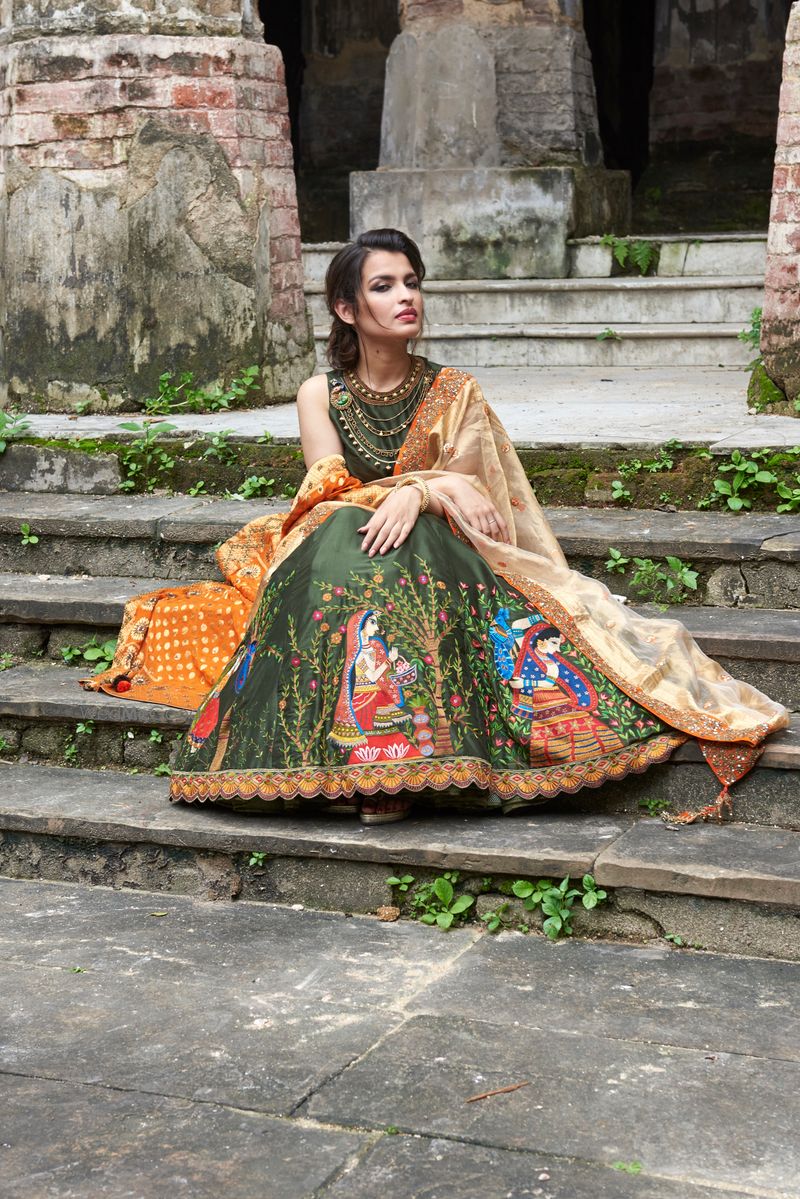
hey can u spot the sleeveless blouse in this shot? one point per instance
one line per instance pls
(343, 409)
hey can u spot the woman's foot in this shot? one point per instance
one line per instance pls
(387, 810)
(342, 809)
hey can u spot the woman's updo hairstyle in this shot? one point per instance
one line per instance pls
(343, 282)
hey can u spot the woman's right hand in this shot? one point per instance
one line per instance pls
(479, 511)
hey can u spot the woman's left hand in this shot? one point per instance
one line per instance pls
(388, 528)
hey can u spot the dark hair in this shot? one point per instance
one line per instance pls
(343, 282)
(546, 633)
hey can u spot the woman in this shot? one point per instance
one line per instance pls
(519, 679)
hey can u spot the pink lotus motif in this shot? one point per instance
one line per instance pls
(367, 753)
(397, 751)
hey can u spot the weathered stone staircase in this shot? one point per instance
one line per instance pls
(690, 311)
(71, 808)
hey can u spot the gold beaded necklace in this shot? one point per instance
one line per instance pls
(358, 426)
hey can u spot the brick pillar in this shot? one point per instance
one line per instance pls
(148, 210)
(490, 153)
(780, 338)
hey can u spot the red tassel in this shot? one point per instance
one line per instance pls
(722, 805)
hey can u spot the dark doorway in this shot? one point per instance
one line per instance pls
(620, 35)
(283, 27)
(335, 54)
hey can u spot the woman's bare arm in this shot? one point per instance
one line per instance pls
(318, 435)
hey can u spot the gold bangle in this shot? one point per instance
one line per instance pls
(416, 481)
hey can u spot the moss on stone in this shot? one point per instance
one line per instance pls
(764, 395)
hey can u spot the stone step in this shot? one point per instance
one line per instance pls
(750, 560)
(578, 345)
(41, 614)
(41, 706)
(706, 254)
(602, 302)
(709, 254)
(733, 889)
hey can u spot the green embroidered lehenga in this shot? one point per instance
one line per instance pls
(452, 666)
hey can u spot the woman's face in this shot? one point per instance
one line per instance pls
(390, 304)
(370, 627)
(551, 646)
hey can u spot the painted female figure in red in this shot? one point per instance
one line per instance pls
(371, 719)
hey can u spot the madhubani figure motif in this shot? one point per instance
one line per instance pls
(552, 696)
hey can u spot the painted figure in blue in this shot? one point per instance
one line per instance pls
(551, 695)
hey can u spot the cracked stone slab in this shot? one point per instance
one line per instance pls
(215, 520)
(684, 1114)
(52, 692)
(71, 599)
(250, 1007)
(732, 861)
(401, 1167)
(108, 1142)
(652, 994)
(86, 516)
(706, 535)
(99, 805)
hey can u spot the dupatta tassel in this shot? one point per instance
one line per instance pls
(722, 806)
(730, 762)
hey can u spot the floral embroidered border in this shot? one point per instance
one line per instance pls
(424, 774)
(446, 388)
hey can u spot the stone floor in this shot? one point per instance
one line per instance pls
(553, 406)
(170, 1046)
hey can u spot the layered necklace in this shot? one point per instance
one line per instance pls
(355, 403)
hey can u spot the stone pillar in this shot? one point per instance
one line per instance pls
(780, 336)
(148, 210)
(490, 153)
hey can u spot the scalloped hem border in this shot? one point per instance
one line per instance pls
(513, 788)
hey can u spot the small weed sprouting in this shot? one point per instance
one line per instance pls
(437, 903)
(84, 728)
(556, 901)
(402, 883)
(144, 461)
(12, 425)
(198, 488)
(177, 393)
(254, 486)
(790, 496)
(609, 335)
(626, 250)
(747, 474)
(627, 1167)
(219, 449)
(6, 661)
(674, 939)
(619, 491)
(667, 582)
(162, 768)
(27, 538)
(156, 736)
(751, 336)
(98, 654)
(654, 807)
(497, 919)
(257, 858)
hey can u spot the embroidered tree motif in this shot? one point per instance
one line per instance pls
(299, 699)
(414, 607)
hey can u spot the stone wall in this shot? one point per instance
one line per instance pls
(713, 112)
(148, 211)
(780, 341)
(717, 69)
